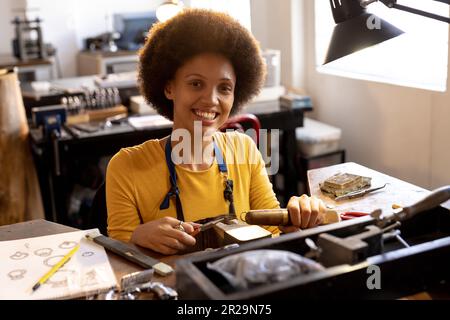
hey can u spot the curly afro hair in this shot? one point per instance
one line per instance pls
(170, 44)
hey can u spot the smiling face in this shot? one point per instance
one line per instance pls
(202, 90)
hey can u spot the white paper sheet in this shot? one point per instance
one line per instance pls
(25, 261)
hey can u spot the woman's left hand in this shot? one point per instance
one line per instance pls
(304, 212)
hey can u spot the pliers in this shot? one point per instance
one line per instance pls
(352, 214)
(213, 222)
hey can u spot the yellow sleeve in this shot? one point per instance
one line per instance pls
(123, 215)
(261, 191)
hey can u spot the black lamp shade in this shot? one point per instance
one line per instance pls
(354, 34)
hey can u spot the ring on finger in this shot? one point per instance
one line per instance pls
(180, 226)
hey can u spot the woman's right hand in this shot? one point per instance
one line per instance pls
(165, 235)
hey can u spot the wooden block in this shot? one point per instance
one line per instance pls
(79, 118)
(240, 232)
(331, 216)
(102, 114)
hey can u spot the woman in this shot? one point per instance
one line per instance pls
(196, 69)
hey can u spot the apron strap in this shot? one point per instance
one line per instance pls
(174, 191)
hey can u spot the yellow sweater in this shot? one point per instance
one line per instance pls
(137, 180)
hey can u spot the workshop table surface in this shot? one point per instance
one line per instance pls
(121, 267)
(396, 191)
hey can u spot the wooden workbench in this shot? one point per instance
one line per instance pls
(396, 191)
(121, 267)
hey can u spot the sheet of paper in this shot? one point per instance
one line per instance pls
(25, 261)
(151, 121)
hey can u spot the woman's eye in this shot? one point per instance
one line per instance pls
(196, 84)
(227, 89)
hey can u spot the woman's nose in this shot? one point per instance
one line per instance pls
(211, 96)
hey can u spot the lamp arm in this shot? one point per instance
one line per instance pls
(395, 5)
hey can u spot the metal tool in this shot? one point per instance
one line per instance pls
(395, 234)
(434, 199)
(130, 253)
(357, 247)
(359, 193)
(133, 289)
(212, 223)
(162, 291)
(129, 281)
(350, 247)
(314, 251)
(227, 247)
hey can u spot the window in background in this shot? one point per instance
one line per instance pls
(416, 59)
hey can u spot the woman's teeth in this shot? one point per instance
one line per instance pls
(205, 115)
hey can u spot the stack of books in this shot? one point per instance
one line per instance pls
(266, 101)
(295, 101)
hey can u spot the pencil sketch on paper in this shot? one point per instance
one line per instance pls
(44, 252)
(68, 244)
(17, 274)
(25, 261)
(87, 254)
(18, 255)
(61, 278)
(91, 278)
(51, 261)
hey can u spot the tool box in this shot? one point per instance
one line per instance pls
(403, 270)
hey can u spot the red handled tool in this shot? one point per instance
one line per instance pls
(352, 214)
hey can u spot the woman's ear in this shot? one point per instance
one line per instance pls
(168, 90)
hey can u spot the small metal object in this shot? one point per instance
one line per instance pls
(112, 295)
(395, 234)
(376, 214)
(117, 119)
(397, 224)
(365, 3)
(162, 291)
(359, 193)
(55, 142)
(212, 223)
(117, 99)
(401, 240)
(315, 251)
(227, 247)
(131, 280)
(180, 227)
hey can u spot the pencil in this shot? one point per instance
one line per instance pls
(56, 267)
